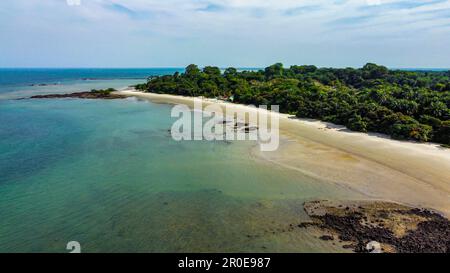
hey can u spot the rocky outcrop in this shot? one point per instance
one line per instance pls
(81, 95)
(395, 227)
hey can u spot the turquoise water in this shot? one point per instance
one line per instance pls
(106, 173)
(19, 83)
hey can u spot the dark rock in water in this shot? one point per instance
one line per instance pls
(430, 237)
(240, 124)
(224, 122)
(44, 84)
(403, 229)
(81, 95)
(250, 129)
(326, 238)
(306, 225)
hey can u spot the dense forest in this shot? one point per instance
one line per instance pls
(403, 104)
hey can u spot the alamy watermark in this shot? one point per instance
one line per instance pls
(74, 247)
(227, 123)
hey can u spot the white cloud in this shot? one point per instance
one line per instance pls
(244, 32)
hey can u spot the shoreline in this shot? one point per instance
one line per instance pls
(374, 165)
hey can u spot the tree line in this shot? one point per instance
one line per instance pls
(411, 105)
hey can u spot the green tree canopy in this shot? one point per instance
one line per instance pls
(403, 104)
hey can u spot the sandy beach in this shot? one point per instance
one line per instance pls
(379, 168)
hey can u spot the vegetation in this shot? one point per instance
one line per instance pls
(403, 104)
(105, 92)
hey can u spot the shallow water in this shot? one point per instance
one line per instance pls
(106, 173)
(24, 82)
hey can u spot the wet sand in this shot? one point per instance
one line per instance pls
(379, 168)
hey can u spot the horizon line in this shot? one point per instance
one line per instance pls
(221, 67)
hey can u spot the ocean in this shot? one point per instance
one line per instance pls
(107, 174)
(18, 83)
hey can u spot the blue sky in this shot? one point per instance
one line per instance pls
(241, 33)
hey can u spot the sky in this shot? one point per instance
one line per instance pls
(239, 33)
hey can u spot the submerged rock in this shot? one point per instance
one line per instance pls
(250, 129)
(326, 238)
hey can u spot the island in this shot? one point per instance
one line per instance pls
(408, 105)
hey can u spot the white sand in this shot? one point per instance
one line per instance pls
(374, 165)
